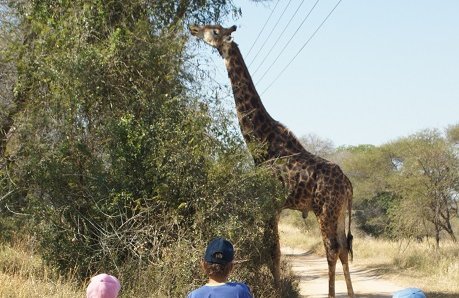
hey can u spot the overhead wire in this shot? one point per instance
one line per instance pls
(263, 28)
(304, 45)
(277, 40)
(270, 33)
(288, 42)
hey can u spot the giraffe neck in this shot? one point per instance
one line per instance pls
(251, 113)
(255, 122)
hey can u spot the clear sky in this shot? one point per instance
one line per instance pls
(377, 70)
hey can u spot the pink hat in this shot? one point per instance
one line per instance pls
(103, 286)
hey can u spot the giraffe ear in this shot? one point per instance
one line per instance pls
(228, 38)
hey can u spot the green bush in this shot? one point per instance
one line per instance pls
(119, 161)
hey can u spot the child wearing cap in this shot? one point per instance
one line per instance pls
(103, 286)
(217, 264)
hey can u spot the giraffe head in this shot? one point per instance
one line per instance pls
(214, 35)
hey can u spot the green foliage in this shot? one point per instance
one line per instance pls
(116, 161)
(452, 134)
(372, 214)
(407, 188)
(426, 180)
(421, 258)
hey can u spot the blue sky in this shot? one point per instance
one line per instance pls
(376, 71)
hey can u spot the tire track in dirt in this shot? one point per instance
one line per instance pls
(312, 272)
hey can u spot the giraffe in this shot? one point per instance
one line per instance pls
(313, 183)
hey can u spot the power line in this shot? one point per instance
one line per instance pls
(269, 35)
(304, 45)
(280, 35)
(267, 20)
(288, 42)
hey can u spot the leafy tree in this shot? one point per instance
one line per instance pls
(370, 168)
(117, 158)
(9, 34)
(452, 134)
(426, 180)
(407, 188)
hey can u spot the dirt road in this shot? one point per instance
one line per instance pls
(313, 274)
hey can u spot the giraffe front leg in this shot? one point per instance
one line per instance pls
(275, 270)
(272, 237)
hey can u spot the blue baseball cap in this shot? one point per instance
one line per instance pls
(219, 251)
(409, 293)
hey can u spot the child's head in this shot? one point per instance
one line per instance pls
(103, 286)
(218, 259)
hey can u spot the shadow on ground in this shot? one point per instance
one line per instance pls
(357, 296)
(440, 295)
(428, 295)
(307, 253)
(381, 269)
(362, 275)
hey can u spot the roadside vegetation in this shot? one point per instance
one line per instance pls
(117, 156)
(24, 274)
(407, 263)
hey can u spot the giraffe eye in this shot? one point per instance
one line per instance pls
(216, 32)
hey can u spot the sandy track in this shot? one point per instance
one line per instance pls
(312, 272)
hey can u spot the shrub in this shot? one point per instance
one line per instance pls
(121, 163)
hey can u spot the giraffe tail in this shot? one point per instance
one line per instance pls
(349, 235)
(349, 245)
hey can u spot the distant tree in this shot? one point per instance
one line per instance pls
(317, 145)
(369, 168)
(407, 188)
(452, 133)
(426, 180)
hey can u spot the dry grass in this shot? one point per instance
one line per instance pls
(410, 264)
(296, 232)
(19, 287)
(22, 274)
(413, 264)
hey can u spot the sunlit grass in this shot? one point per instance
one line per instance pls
(413, 264)
(19, 287)
(299, 233)
(410, 264)
(23, 274)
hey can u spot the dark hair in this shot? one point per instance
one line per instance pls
(217, 270)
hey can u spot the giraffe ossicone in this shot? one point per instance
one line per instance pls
(314, 184)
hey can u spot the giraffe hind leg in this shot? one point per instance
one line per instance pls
(332, 245)
(345, 244)
(343, 256)
(331, 250)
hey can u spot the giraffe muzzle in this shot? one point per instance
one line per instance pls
(194, 30)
